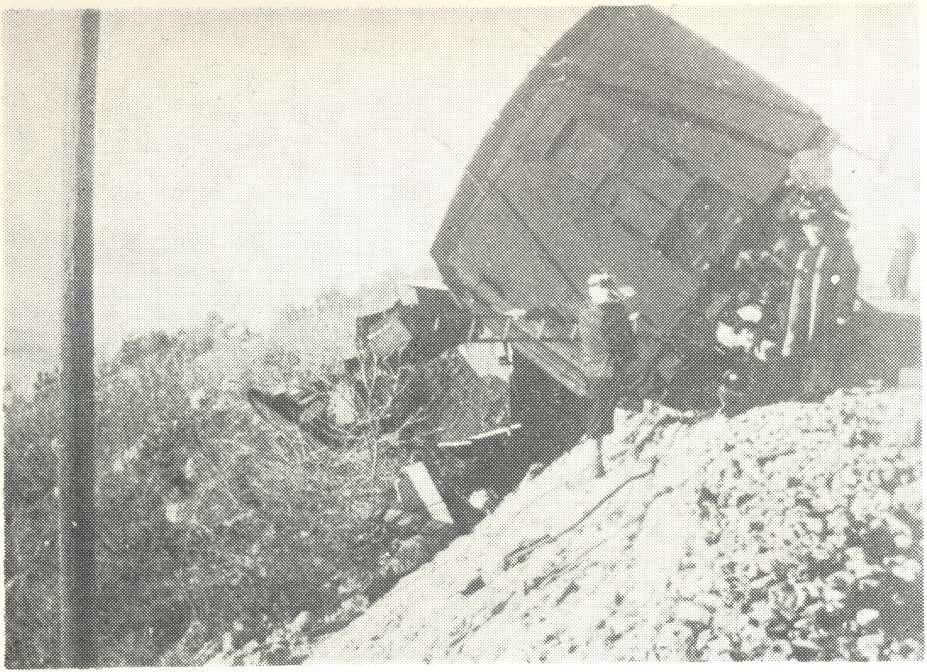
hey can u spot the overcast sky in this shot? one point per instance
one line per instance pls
(245, 159)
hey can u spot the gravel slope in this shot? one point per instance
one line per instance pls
(793, 531)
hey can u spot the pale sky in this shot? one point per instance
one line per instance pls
(246, 158)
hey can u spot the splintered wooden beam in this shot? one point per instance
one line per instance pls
(427, 492)
(76, 475)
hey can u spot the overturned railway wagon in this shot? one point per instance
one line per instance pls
(635, 147)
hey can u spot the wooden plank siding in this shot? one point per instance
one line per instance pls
(591, 164)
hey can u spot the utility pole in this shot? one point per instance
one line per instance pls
(76, 468)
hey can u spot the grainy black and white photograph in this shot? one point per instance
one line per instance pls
(461, 335)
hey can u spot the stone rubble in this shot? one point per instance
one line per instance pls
(790, 532)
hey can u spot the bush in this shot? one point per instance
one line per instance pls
(207, 514)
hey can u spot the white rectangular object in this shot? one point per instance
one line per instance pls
(428, 492)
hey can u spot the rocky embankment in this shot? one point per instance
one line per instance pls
(790, 532)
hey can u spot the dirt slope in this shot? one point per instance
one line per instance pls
(791, 531)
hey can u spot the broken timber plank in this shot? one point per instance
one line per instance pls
(427, 491)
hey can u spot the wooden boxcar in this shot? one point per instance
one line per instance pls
(634, 147)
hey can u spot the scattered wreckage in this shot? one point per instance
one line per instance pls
(635, 148)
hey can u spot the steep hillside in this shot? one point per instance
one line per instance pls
(211, 519)
(793, 531)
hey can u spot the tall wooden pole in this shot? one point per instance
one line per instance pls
(76, 464)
